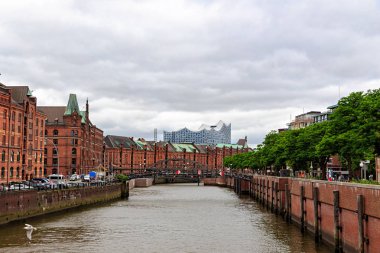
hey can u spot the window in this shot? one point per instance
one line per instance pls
(45, 151)
(18, 172)
(12, 141)
(11, 172)
(19, 117)
(55, 151)
(41, 133)
(74, 142)
(40, 157)
(36, 122)
(55, 141)
(40, 171)
(46, 132)
(3, 156)
(2, 172)
(35, 172)
(73, 161)
(55, 132)
(12, 156)
(55, 161)
(74, 151)
(18, 156)
(4, 114)
(13, 116)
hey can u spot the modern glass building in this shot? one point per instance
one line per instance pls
(219, 133)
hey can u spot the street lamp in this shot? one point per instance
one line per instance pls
(56, 150)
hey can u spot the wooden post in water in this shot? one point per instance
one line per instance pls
(316, 214)
(267, 193)
(272, 199)
(287, 202)
(124, 188)
(302, 204)
(337, 226)
(276, 198)
(360, 204)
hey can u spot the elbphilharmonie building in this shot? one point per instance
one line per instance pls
(214, 134)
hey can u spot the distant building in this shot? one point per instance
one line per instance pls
(220, 133)
(73, 143)
(323, 116)
(127, 155)
(303, 120)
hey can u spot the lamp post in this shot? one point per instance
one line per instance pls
(56, 150)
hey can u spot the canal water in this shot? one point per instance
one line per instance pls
(163, 218)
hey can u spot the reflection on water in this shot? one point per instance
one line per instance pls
(164, 218)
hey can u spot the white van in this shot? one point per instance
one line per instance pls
(55, 178)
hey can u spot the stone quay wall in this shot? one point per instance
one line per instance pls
(19, 205)
(344, 215)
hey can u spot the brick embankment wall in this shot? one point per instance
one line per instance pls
(23, 204)
(220, 181)
(344, 215)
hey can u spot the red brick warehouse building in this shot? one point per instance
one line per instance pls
(74, 144)
(128, 155)
(22, 129)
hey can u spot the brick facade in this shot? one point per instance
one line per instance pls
(22, 129)
(74, 144)
(134, 156)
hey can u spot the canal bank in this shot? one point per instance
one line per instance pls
(344, 215)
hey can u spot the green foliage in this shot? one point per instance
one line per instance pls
(365, 181)
(121, 177)
(353, 133)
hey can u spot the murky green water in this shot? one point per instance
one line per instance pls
(164, 218)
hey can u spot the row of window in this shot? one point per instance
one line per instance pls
(11, 172)
(55, 132)
(18, 156)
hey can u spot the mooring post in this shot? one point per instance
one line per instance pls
(276, 198)
(337, 226)
(272, 199)
(302, 194)
(316, 214)
(267, 193)
(360, 204)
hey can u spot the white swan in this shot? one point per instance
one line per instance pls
(29, 230)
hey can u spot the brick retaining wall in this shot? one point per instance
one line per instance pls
(23, 204)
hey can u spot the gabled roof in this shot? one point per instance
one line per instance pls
(180, 147)
(53, 113)
(114, 141)
(20, 93)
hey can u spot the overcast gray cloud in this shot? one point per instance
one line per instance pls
(167, 64)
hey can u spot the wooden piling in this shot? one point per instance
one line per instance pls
(276, 198)
(337, 226)
(316, 214)
(267, 193)
(287, 202)
(272, 198)
(360, 204)
(302, 204)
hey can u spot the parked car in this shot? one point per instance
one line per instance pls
(86, 178)
(74, 177)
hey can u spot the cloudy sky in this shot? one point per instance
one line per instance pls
(168, 64)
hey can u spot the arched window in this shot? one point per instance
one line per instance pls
(55, 132)
(46, 132)
(55, 151)
(18, 172)
(18, 156)
(45, 171)
(5, 114)
(74, 151)
(2, 172)
(35, 172)
(12, 156)
(11, 172)
(3, 156)
(40, 172)
(45, 151)
(40, 157)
